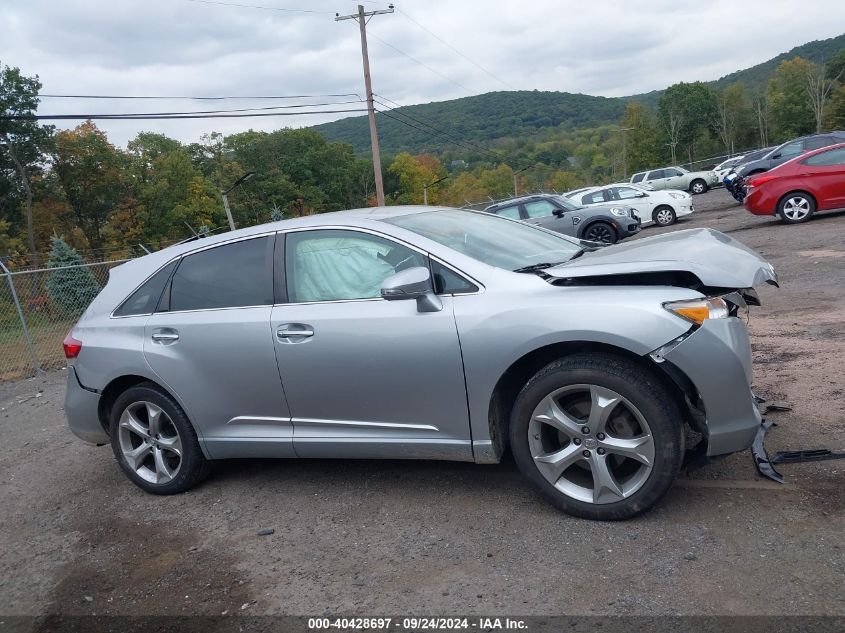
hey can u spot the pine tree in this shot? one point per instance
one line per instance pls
(69, 289)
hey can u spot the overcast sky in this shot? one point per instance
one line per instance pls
(187, 47)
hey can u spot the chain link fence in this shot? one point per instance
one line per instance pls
(38, 308)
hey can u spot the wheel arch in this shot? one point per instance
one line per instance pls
(117, 386)
(512, 381)
(792, 193)
(590, 222)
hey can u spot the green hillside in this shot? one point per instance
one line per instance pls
(483, 119)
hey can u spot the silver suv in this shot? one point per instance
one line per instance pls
(420, 333)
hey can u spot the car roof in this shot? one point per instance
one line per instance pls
(520, 199)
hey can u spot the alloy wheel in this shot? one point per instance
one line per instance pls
(599, 233)
(149, 442)
(664, 217)
(698, 187)
(796, 208)
(591, 443)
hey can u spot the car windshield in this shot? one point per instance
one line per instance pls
(490, 239)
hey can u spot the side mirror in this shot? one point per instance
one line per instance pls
(642, 194)
(558, 213)
(776, 156)
(412, 283)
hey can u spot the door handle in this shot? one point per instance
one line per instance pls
(294, 330)
(165, 335)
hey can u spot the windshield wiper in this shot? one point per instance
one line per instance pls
(533, 268)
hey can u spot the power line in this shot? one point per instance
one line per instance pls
(255, 6)
(445, 43)
(121, 117)
(179, 97)
(423, 64)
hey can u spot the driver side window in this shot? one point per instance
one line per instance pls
(626, 193)
(337, 265)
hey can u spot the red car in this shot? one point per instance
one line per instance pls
(812, 182)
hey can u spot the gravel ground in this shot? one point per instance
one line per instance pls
(367, 537)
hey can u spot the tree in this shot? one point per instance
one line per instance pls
(72, 287)
(91, 173)
(21, 138)
(413, 174)
(819, 84)
(641, 137)
(730, 111)
(787, 94)
(685, 109)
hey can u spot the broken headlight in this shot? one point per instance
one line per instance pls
(699, 310)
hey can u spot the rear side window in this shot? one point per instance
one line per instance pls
(654, 175)
(228, 276)
(593, 198)
(638, 177)
(508, 212)
(817, 142)
(670, 173)
(145, 299)
(832, 157)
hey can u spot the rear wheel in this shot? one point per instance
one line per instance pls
(795, 208)
(698, 186)
(601, 232)
(664, 216)
(154, 442)
(600, 437)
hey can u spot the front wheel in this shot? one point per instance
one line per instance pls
(154, 442)
(698, 186)
(795, 208)
(601, 232)
(598, 436)
(664, 216)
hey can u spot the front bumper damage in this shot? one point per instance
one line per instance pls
(766, 465)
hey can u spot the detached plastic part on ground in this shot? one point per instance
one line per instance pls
(766, 465)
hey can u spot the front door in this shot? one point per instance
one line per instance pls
(643, 204)
(828, 177)
(365, 377)
(211, 344)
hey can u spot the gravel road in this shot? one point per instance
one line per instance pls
(368, 537)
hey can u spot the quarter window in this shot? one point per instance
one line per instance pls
(145, 299)
(831, 157)
(336, 265)
(228, 276)
(447, 281)
(508, 212)
(539, 208)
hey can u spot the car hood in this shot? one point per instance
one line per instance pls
(714, 258)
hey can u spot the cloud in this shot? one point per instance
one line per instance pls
(178, 47)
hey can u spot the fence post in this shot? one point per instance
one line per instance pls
(38, 370)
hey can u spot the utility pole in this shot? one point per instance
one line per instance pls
(623, 131)
(225, 195)
(431, 184)
(516, 180)
(361, 17)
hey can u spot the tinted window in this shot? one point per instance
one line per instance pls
(831, 157)
(490, 239)
(227, 276)
(539, 208)
(625, 193)
(638, 177)
(508, 212)
(669, 173)
(654, 175)
(817, 142)
(593, 198)
(336, 265)
(145, 299)
(447, 281)
(790, 150)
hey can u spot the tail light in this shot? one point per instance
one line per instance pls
(72, 347)
(759, 180)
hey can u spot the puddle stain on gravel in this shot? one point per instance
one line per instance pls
(129, 569)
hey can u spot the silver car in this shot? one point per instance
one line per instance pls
(420, 333)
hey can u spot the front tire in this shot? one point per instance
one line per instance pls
(154, 442)
(664, 216)
(601, 232)
(795, 208)
(698, 186)
(600, 437)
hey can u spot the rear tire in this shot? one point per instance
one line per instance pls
(664, 216)
(154, 442)
(601, 232)
(698, 186)
(634, 418)
(797, 207)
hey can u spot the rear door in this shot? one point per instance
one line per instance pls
(674, 179)
(826, 176)
(629, 196)
(210, 343)
(655, 178)
(365, 377)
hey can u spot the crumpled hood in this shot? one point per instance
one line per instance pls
(716, 259)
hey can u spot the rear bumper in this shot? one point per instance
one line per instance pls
(81, 411)
(717, 359)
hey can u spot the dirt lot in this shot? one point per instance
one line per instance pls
(358, 537)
